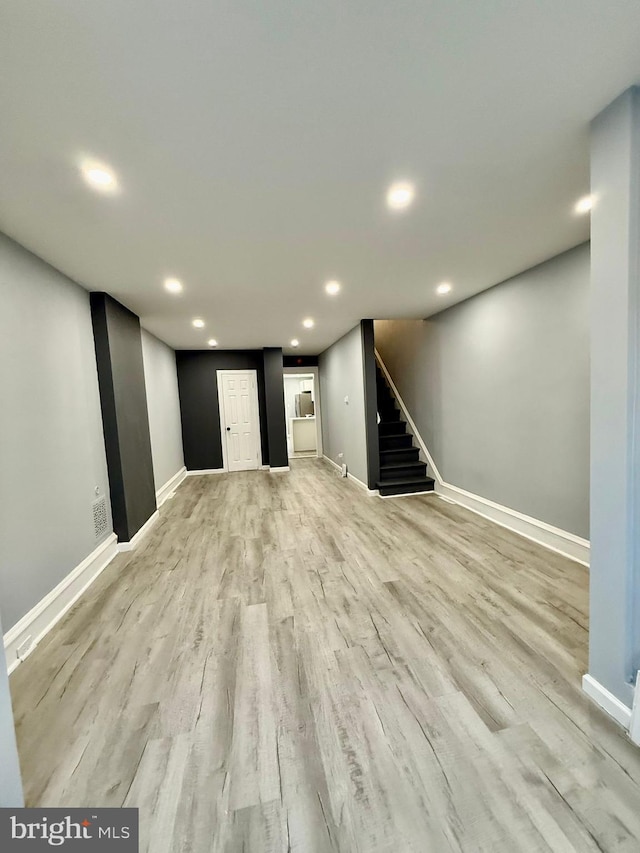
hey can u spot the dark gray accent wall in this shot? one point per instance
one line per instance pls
(199, 409)
(370, 402)
(274, 400)
(52, 455)
(498, 387)
(125, 418)
(300, 360)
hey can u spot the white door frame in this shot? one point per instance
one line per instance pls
(256, 413)
(291, 371)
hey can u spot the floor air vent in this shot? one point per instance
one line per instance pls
(100, 517)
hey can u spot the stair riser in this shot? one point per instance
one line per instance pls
(394, 442)
(417, 470)
(394, 427)
(389, 415)
(388, 403)
(388, 491)
(400, 457)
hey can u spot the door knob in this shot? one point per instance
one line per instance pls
(228, 429)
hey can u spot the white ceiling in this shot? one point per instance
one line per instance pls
(254, 142)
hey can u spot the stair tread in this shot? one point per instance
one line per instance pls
(404, 481)
(401, 466)
(412, 479)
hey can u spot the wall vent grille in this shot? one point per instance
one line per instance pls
(100, 517)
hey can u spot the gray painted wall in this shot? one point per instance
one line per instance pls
(10, 782)
(163, 403)
(499, 389)
(343, 425)
(51, 443)
(614, 622)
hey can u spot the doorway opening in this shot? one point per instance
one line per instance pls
(302, 412)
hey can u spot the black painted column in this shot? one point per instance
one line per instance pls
(123, 398)
(274, 397)
(370, 402)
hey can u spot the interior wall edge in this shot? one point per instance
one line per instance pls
(130, 544)
(342, 392)
(163, 407)
(37, 623)
(359, 483)
(605, 700)
(165, 491)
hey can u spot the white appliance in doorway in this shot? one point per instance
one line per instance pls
(239, 419)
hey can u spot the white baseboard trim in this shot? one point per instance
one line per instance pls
(607, 701)
(331, 462)
(202, 471)
(50, 609)
(170, 486)
(634, 722)
(135, 540)
(371, 492)
(553, 538)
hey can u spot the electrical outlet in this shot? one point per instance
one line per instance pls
(24, 647)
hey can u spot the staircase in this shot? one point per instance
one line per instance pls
(401, 471)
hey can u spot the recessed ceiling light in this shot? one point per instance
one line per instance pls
(308, 323)
(212, 342)
(295, 342)
(198, 323)
(332, 287)
(99, 176)
(584, 205)
(443, 288)
(400, 195)
(173, 285)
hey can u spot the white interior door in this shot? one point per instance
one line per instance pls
(239, 419)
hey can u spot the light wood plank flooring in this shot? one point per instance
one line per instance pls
(286, 664)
